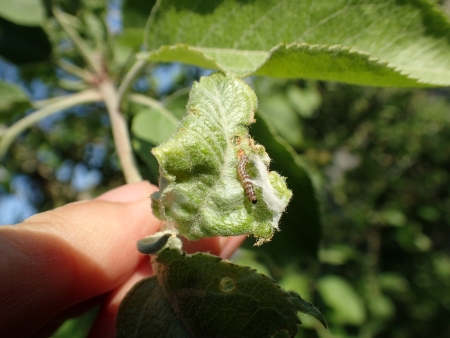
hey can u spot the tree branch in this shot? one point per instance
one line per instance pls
(84, 50)
(129, 77)
(120, 132)
(13, 131)
(74, 70)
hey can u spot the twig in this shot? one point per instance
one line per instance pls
(129, 77)
(120, 132)
(87, 96)
(152, 103)
(46, 102)
(78, 41)
(74, 70)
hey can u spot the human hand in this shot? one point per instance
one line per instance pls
(58, 264)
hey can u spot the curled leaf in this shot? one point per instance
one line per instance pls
(201, 191)
(159, 241)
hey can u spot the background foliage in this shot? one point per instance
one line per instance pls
(379, 160)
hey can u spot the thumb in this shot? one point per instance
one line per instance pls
(62, 257)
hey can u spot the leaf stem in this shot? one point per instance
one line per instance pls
(152, 103)
(74, 70)
(129, 77)
(13, 131)
(85, 51)
(47, 102)
(120, 132)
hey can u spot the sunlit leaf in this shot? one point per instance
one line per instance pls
(23, 12)
(339, 295)
(200, 189)
(150, 128)
(305, 101)
(380, 306)
(377, 42)
(153, 125)
(276, 109)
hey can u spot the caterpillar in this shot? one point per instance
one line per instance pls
(243, 175)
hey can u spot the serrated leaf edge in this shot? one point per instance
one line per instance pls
(200, 51)
(285, 293)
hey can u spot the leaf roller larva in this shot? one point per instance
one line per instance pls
(243, 175)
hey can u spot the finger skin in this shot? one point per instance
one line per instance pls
(129, 193)
(60, 263)
(68, 255)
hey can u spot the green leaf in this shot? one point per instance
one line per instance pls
(150, 128)
(204, 296)
(341, 297)
(377, 42)
(23, 44)
(380, 306)
(145, 312)
(95, 4)
(338, 254)
(200, 189)
(136, 12)
(78, 327)
(128, 42)
(143, 148)
(301, 225)
(394, 217)
(428, 213)
(284, 119)
(95, 30)
(23, 12)
(394, 283)
(154, 125)
(176, 102)
(305, 307)
(251, 259)
(13, 100)
(304, 100)
(293, 280)
(131, 37)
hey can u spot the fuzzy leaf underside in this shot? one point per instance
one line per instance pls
(304, 237)
(377, 42)
(204, 296)
(290, 242)
(200, 190)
